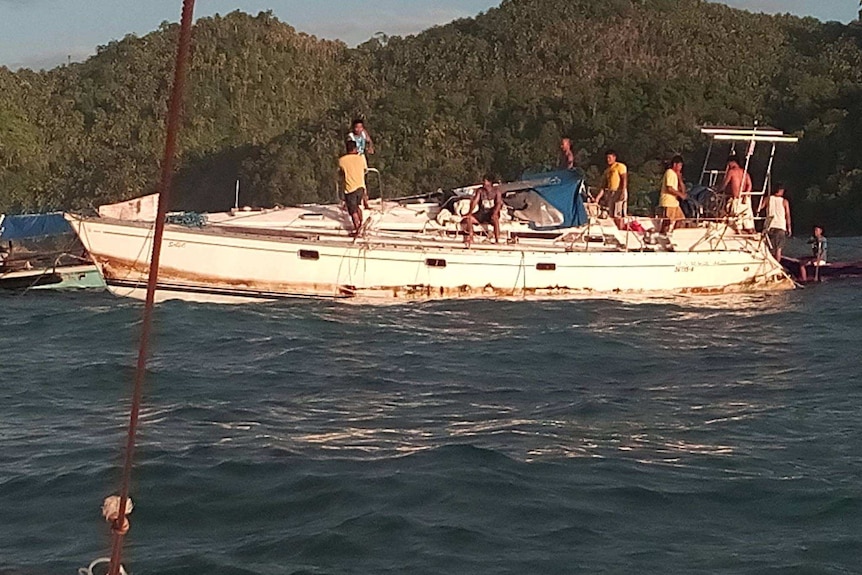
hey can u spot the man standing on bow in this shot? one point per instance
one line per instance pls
(351, 168)
(360, 136)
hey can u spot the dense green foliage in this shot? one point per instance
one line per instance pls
(270, 106)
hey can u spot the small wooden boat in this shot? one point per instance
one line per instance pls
(40, 251)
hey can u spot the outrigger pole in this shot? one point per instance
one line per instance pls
(119, 528)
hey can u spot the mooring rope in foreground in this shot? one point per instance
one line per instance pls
(120, 523)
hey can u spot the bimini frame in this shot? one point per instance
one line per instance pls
(752, 136)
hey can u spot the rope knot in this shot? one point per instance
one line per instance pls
(111, 513)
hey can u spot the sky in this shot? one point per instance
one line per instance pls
(44, 33)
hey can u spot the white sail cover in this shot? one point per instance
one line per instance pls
(141, 209)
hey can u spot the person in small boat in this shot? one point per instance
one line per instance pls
(737, 184)
(672, 191)
(777, 226)
(567, 157)
(360, 135)
(614, 191)
(819, 246)
(351, 167)
(485, 207)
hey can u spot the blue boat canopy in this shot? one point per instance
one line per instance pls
(32, 226)
(562, 190)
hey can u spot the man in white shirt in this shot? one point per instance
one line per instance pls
(778, 227)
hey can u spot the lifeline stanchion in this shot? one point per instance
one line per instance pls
(119, 529)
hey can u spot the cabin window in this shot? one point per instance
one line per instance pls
(435, 263)
(309, 255)
(545, 267)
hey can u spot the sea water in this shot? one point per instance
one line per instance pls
(678, 435)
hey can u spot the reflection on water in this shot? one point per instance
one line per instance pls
(644, 378)
(671, 381)
(376, 426)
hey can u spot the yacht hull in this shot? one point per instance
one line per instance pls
(215, 264)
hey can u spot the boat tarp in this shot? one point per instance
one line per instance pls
(31, 226)
(561, 189)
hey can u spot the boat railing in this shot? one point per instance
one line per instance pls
(367, 171)
(379, 180)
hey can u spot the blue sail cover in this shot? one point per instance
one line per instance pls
(561, 189)
(33, 226)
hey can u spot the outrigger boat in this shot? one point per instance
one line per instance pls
(824, 272)
(40, 251)
(552, 245)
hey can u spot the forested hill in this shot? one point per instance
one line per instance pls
(270, 106)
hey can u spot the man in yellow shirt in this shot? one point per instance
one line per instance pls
(351, 167)
(672, 191)
(615, 184)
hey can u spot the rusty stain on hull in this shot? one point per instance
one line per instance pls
(121, 270)
(777, 283)
(127, 271)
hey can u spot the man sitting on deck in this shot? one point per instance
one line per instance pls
(487, 202)
(352, 168)
(818, 254)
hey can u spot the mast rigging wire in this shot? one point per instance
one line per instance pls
(174, 112)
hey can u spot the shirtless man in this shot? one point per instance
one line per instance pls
(489, 202)
(567, 157)
(737, 183)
